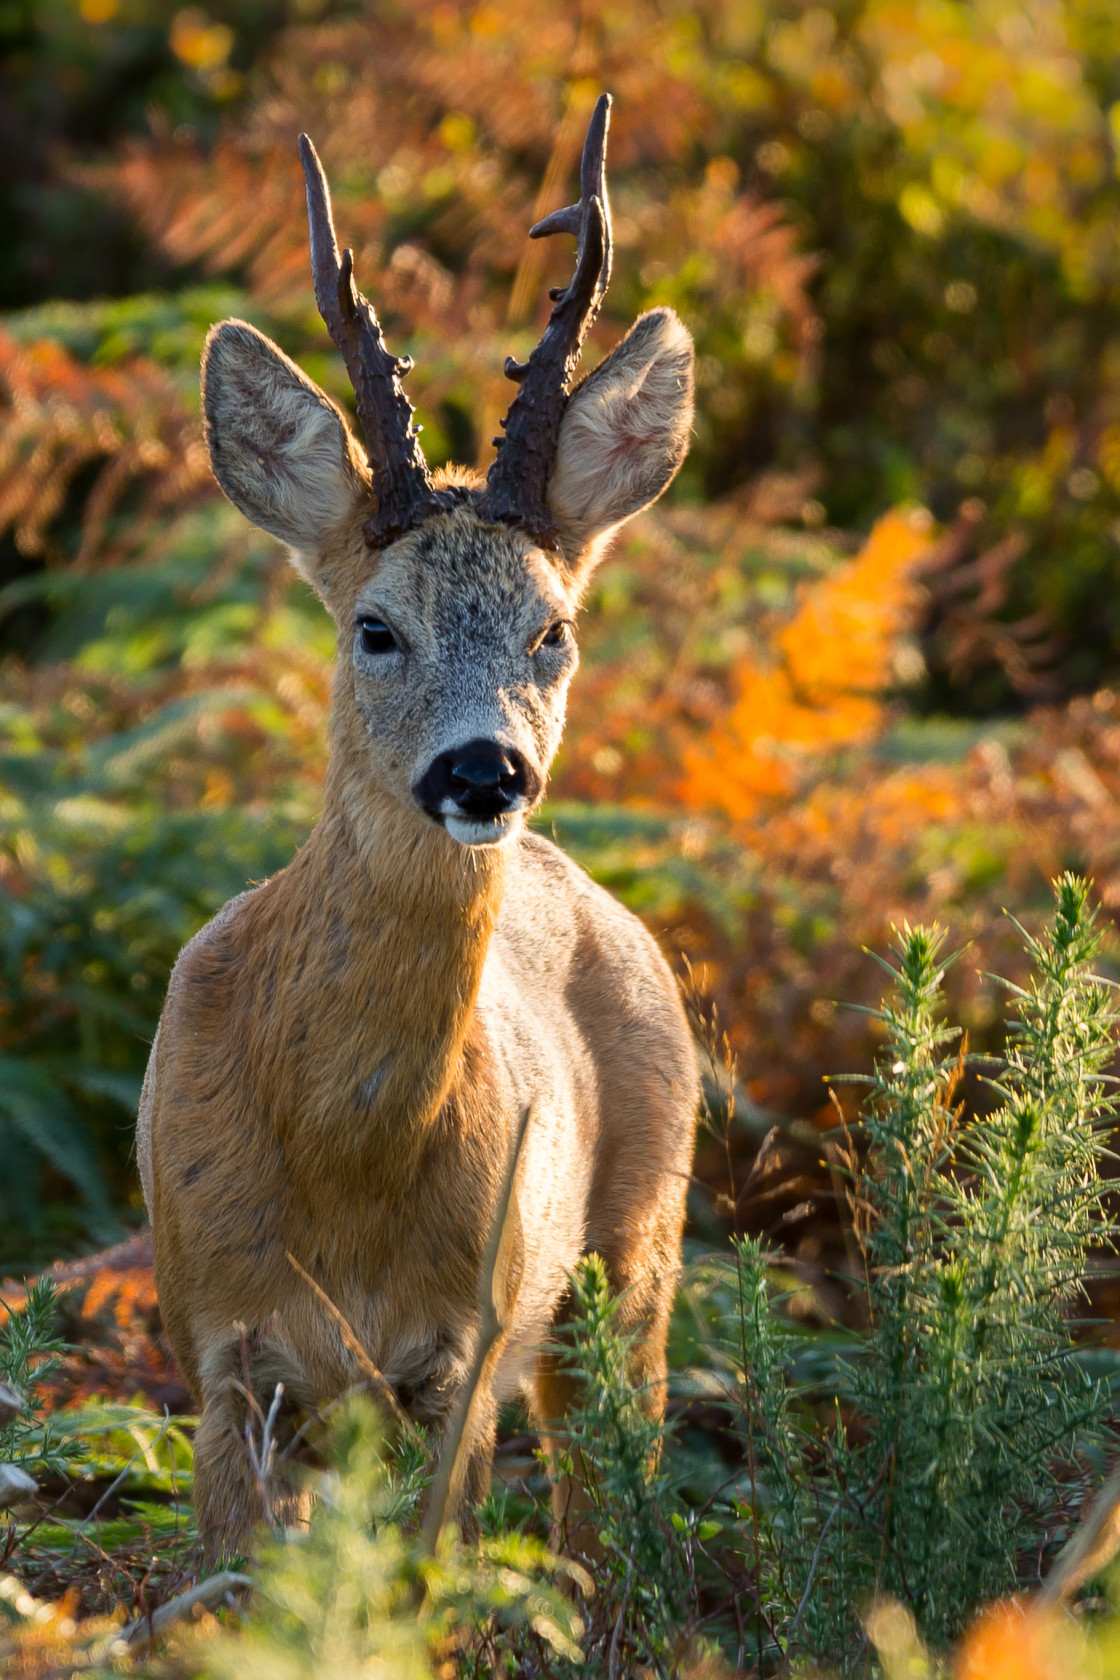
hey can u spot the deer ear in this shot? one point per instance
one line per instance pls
(624, 431)
(279, 447)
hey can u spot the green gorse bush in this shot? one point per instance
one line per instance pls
(616, 1441)
(958, 1407)
(30, 1354)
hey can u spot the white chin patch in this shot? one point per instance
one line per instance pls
(490, 833)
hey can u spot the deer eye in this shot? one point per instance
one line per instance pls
(556, 634)
(376, 635)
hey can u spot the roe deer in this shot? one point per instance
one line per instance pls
(346, 1051)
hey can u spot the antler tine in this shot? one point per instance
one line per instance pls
(592, 184)
(517, 483)
(400, 475)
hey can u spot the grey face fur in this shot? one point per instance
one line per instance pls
(458, 635)
(482, 652)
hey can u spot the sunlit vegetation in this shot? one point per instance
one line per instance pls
(858, 669)
(864, 1491)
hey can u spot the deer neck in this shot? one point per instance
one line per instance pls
(405, 917)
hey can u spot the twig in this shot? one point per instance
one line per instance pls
(44, 1513)
(206, 1595)
(495, 1306)
(262, 1461)
(48, 1511)
(142, 1593)
(828, 1521)
(738, 1611)
(119, 1478)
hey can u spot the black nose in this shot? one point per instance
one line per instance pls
(481, 779)
(483, 770)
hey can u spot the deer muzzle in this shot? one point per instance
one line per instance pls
(478, 791)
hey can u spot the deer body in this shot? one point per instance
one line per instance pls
(346, 1051)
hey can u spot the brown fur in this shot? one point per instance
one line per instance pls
(345, 1051)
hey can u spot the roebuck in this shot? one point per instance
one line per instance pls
(345, 1052)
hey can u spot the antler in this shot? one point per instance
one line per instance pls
(517, 483)
(404, 491)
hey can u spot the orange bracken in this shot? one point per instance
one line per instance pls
(1012, 1641)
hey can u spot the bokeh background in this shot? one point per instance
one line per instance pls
(858, 666)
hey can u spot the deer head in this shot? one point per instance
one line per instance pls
(454, 598)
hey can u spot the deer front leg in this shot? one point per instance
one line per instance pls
(233, 1495)
(227, 1503)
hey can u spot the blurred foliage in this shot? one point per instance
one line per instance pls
(899, 222)
(74, 76)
